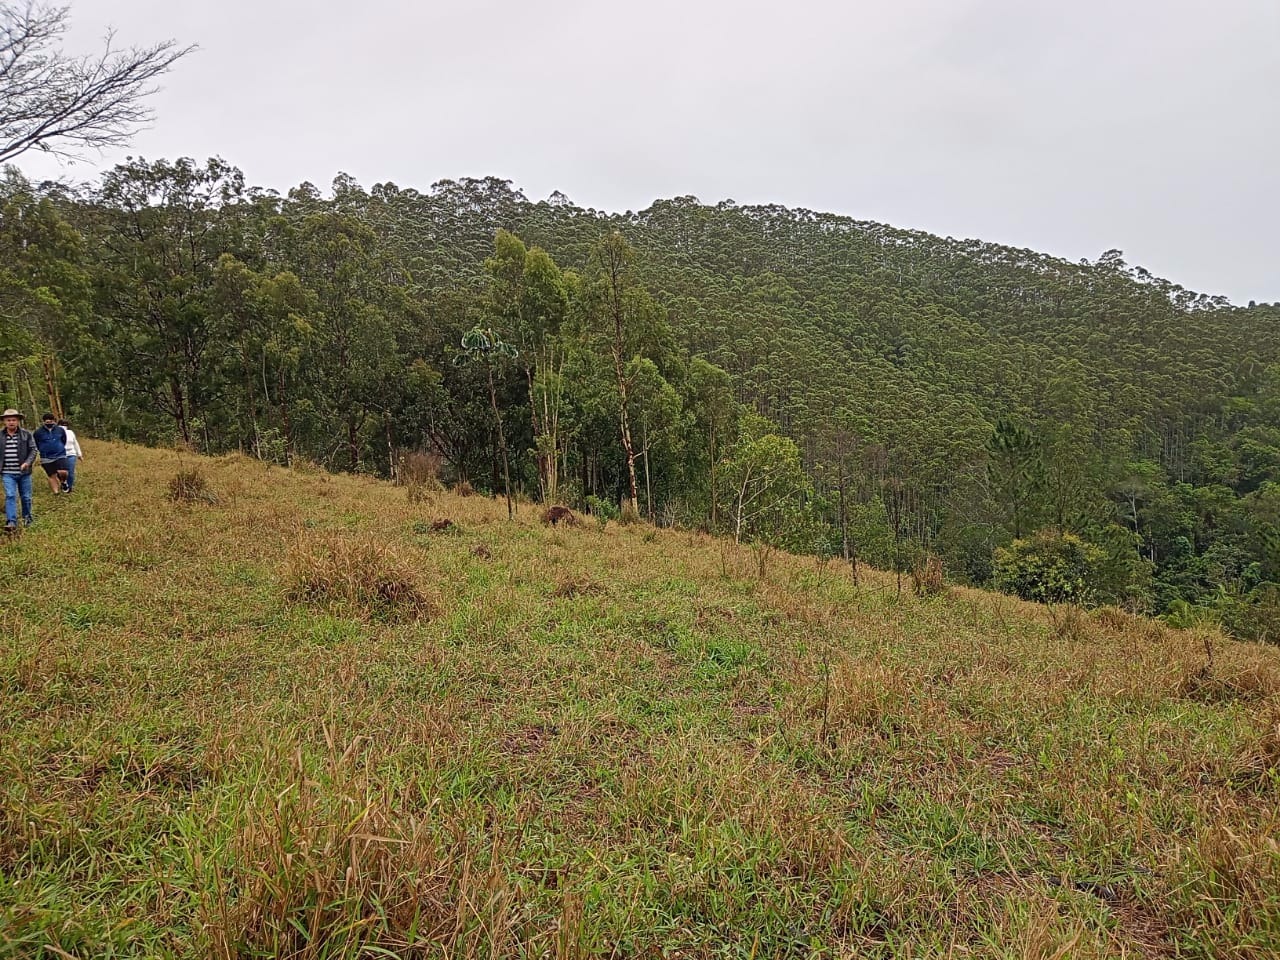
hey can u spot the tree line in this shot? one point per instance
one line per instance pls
(1063, 430)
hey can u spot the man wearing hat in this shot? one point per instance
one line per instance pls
(17, 456)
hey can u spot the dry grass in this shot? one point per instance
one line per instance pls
(189, 485)
(926, 577)
(239, 737)
(355, 575)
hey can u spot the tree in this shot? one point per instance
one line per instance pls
(714, 411)
(483, 345)
(45, 292)
(63, 104)
(528, 297)
(618, 306)
(1014, 470)
(356, 312)
(1052, 567)
(764, 480)
(162, 228)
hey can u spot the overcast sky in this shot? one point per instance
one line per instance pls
(1069, 127)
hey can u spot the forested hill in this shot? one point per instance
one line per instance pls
(1066, 430)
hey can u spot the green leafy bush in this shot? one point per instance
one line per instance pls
(1050, 567)
(602, 509)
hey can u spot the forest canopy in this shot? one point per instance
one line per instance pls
(835, 386)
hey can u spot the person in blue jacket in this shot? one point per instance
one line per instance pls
(51, 441)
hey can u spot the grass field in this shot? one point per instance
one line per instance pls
(297, 722)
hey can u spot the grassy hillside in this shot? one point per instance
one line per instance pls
(511, 740)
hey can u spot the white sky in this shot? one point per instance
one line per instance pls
(1067, 126)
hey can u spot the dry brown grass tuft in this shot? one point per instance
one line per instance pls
(553, 516)
(858, 696)
(420, 467)
(1212, 670)
(1260, 763)
(419, 493)
(355, 575)
(627, 513)
(337, 868)
(1070, 623)
(463, 488)
(576, 585)
(189, 485)
(926, 577)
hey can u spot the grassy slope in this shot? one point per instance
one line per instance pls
(194, 765)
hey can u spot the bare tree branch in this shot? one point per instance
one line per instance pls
(62, 104)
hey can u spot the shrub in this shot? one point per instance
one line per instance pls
(599, 507)
(1051, 567)
(602, 510)
(358, 576)
(627, 513)
(1255, 616)
(463, 488)
(189, 485)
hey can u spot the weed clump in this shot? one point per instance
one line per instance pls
(926, 577)
(356, 576)
(463, 488)
(189, 485)
(627, 513)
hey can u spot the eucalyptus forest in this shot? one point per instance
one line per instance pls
(1066, 431)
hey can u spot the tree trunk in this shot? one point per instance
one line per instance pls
(627, 445)
(616, 267)
(502, 441)
(179, 409)
(50, 367)
(353, 442)
(284, 418)
(648, 488)
(714, 497)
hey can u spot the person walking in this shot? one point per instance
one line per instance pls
(51, 441)
(17, 457)
(74, 454)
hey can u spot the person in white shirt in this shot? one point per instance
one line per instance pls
(74, 454)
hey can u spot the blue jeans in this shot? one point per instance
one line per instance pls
(17, 485)
(71, 472)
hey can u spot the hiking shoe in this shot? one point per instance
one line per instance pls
(65, 487)
(10, 527)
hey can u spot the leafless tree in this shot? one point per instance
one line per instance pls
(64, 104)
